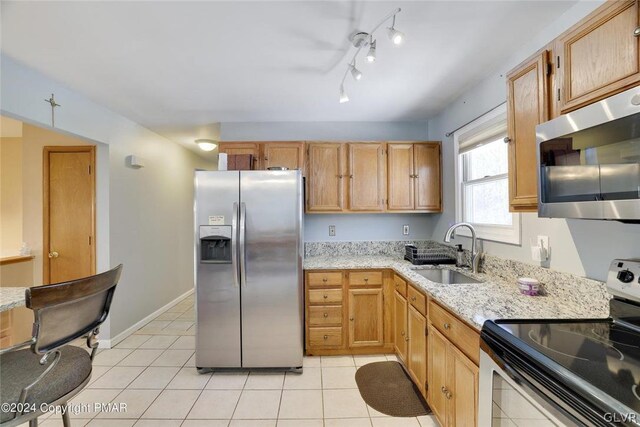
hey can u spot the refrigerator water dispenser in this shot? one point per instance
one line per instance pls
(215, 244)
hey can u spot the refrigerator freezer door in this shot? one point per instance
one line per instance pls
(271, 288)
(217, 288)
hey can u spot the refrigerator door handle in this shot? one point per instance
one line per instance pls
(243, 257)
(234, 246)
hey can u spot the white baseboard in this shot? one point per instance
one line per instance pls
(124, 334)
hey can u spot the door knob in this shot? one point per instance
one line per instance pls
(53, 254)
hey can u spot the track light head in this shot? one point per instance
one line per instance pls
(343, 95)
(357, 75)
(371, 55)
(397, 37)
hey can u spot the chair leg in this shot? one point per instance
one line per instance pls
(66, 421)
(33, 422)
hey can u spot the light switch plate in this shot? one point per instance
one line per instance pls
(332, 230)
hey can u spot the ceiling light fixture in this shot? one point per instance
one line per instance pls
(206, 144)
(343, 95)
(371, 55)
(360, 40)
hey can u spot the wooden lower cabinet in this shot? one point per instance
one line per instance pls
(453, 383)
(417, 352)
(365, 317)
(400, 336)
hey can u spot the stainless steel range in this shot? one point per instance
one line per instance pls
(566, 372)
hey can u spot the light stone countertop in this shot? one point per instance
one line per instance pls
(11, 297)
(496, 298)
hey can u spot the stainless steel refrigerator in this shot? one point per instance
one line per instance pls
(249, 292)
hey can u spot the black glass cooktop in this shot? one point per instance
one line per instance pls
(603, 353)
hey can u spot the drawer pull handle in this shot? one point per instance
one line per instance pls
(443, 389)
(326, 315)
(448, 395)
(402, 333)
(324, 279)
(351, 318)
(447, 326)
(366, 279)
(325, 296)
(397, 286)
(326, 337)
(406, 339)
(413, 298)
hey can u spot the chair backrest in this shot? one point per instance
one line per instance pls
(70, 310)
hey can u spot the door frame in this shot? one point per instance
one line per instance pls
(46, 151)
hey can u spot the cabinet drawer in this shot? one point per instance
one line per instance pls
(325, 315)
(365, 278)
(400, 285)
(325, 296)
(324, 278)
(456, 331)
(325, 337)
(417, 299)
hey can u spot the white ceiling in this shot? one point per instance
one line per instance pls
(178, 66)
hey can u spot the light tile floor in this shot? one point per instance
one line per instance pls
(153, 372)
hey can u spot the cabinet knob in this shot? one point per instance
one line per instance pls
(325, 296)
(397, 286)
(326, 337)
(53, 254)
(443, 389)
(507, 140)
(402, 333)
(413, 298)
(351, 176)
(366, 279)
(324, 279)
(339, 176)
(406, 339)
(351, 318)
(448, 395)
(326, 314)
(636, 32)
(447, 326)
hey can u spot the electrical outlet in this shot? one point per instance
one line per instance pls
(332, 230)
(405, 229)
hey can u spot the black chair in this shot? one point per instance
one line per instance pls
(51, 372)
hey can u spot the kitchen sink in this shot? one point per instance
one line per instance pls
(442, 275)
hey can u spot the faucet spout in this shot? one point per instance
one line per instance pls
(475, 254)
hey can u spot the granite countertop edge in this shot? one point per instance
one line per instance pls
(495, 298)
(12, 297)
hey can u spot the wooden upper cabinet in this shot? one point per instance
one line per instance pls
(427, 176)
(527, 107)
(400, 182)
(325, 172)
(367, 172)
(600, 55)
(233, 148)
(284, 154)
(366, 317)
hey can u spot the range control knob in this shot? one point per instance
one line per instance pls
(625, 276)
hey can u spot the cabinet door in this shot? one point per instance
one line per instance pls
(417, 325)
(365, 317)
(325, 177)
(367, 174)
(287, 154)
(463, 384)
(427, 177)
(527, 107)
(400, 183)
(600, 55)
(400, 337)
(437, 360)
(234, 148)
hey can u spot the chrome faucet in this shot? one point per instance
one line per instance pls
(475, 255)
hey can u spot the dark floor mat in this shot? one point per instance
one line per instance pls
(387, 388)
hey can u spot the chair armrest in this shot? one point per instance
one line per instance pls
(17, 346)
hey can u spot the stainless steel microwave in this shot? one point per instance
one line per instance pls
(589, 161)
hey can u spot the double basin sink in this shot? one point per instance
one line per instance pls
(445, 276)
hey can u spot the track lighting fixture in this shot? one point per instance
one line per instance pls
(360, 40)
(343, 95)
(397, 37)
(357, 74)
(206, 144)
(371, 55)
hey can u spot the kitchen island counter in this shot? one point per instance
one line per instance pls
(497, 297)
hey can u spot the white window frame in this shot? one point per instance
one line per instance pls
(497, 233)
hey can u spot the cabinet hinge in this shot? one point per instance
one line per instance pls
(426, 331)
(558, 61)
(89, 169)
(426, 386)
(89, 240)
(558, 94)
(549, 70)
